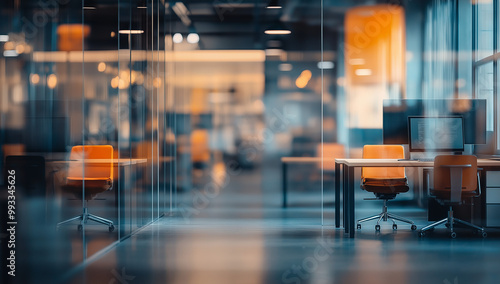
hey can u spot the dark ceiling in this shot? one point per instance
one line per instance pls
(221, 24)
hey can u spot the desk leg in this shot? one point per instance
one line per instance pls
(283, 183)
(337, 195)
(351, 202)
(345, 196)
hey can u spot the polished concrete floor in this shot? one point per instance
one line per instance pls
(241, 235)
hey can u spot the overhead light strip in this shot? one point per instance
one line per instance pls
(277, 32)
(131, 32)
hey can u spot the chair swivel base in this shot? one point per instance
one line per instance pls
(87, 216)
(449, 222)
(384, 216)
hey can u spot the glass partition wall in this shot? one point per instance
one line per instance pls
(86, 125)
(121, 112)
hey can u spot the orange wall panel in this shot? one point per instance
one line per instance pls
(375, 45)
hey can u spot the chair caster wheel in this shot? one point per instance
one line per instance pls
(413, 227)
(80, 228)
(111, 228)
(421, 234)
(453, 235)
(377, 228)
(483, 234)
(394, 226)
(358, 226)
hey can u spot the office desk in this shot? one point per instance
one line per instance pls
(116, 162)
(349, 165)
(297, 160)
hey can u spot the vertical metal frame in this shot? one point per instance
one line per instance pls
(495, 74)
(476, 63)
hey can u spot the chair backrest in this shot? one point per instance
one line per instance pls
(329, 151)
(200, 151)
(383, 152)
(442, 181)
(81, 166)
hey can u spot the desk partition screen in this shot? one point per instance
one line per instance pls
(436, 134)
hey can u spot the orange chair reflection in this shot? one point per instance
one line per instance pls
(331, 151)
(200, 152)
(90, 172)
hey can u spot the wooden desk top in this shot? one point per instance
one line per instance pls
(404, 163)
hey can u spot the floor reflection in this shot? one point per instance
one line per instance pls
(242, 236)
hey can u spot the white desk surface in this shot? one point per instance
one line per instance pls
(405, 163)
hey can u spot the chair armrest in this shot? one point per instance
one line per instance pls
(478, 183)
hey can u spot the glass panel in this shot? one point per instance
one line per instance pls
(41, 119)
(484, 90)
(497, 110)
(245, 98)
(484, 29)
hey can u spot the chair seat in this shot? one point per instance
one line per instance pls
(385, 186)
(386, 189)
(92, 187)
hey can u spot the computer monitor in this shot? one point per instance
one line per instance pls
(436, 134)
(397, 111)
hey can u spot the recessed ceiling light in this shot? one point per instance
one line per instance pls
(273, 52)
(177, 38)
(89, 8)
(193, 38)
(357, 61)
(274, 5)
(131, 32)
(277, 32)
(285, 67)
(10, 53)
(363, 72)
(325, 65)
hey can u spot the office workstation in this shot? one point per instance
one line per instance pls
(427, 137)
(249, 141)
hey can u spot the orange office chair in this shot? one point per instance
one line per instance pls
(455, 178)
(90, 173)
(385, 183)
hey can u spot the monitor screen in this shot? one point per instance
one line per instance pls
(436, 134)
